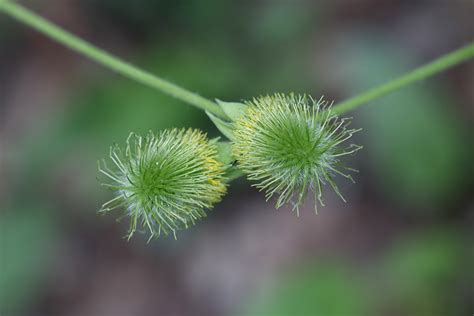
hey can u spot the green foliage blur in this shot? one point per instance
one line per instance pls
(410, 279)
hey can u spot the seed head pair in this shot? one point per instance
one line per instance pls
(287, 145)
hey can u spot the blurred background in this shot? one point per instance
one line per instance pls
(402, 245)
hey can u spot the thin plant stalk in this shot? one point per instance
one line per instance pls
(100, 56)
(442, 63)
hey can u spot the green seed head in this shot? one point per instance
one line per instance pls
(289, 145)
(165, 181)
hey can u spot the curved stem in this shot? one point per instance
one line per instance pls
(100, 56)
(438, 65)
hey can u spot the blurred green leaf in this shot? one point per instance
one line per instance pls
(282, 21)
(28, 242)
(425, 274)
(149, 18)
(322, 290)
(417, 144)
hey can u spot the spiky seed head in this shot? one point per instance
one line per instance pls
(164, 181)
(290, 145)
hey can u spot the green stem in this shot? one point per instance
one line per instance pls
(29, 18)
(100, 56)
(438, 65)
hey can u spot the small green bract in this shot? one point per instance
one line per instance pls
(164, 181)
(290, 145)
